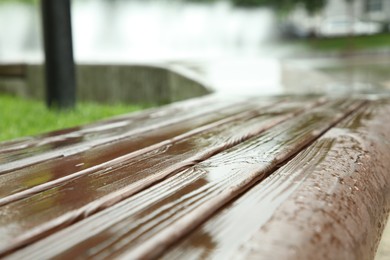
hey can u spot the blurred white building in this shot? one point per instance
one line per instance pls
(378, 10)
(337, 13)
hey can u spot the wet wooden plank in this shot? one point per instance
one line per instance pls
(38, 177)
(329, 202)
(68, 141)
(29, 144)
(144, 225)
(62, 203)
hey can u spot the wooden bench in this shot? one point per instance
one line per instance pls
(290, 177)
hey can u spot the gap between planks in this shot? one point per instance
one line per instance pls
(253, 159)
(135, 127)
(13, 182)
(43, 225)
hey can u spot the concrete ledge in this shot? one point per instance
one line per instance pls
(12, 70)
(110, 83)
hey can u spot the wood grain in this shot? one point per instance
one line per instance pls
(63, 203)
(65, 167)
(325, 203)
(145, 224)
(15, 155)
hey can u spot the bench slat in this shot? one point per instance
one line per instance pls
(102, 186)
(76, 140)
(243, 228)
(62, 168)
(347, 202)
(145, 224)
(340, 209)
(26, 144)
(23, 145)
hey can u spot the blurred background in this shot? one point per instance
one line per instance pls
(223, 43)
(170, 30)
(158, 51)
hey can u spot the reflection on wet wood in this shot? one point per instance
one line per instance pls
(27, 145)
(99, 187)
(87, 159)
(318, 206)
(16, 155)
(147, 223)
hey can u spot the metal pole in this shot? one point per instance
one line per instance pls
(59, 63)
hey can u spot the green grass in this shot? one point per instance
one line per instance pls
(348, 43)
(20, 117)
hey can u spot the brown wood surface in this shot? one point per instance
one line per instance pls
(28, 146)
(19, 154)
(147, 223)
(314, 206)
(42, 175)
(212, 178)
(86, 192)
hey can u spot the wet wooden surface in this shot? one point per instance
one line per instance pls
(70, 161)
(212, 178)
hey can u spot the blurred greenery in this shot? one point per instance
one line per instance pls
(311, 6)
(281, 6)
(21, 117)
(21, 1)
(350, 43)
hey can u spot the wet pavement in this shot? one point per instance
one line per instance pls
(214, 177)
(267, 73)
